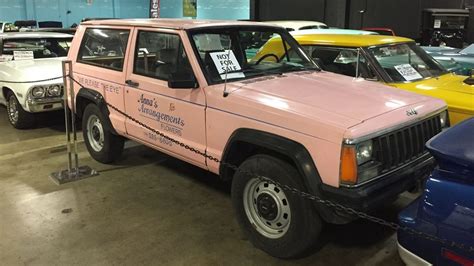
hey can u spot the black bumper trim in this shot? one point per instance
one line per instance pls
(375, 194)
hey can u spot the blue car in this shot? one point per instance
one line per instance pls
(455, 60)
(446, 208)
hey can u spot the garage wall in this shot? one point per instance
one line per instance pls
(285, 9)
(209, 9)
(57, 10)
(404, 16)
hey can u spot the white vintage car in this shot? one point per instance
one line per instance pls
(31, 56)
(294, 25)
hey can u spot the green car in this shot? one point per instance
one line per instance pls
(455, 60)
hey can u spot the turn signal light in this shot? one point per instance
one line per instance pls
(348, 173)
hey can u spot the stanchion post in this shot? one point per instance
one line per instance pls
(73, 113)
(66, 114)
(73, 172)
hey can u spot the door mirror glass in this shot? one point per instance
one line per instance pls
(182, 81)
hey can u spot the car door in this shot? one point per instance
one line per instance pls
(177, 113)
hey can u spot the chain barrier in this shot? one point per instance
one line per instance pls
(302, 194)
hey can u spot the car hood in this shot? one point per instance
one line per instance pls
(356, 99)
(448, 82)
(37, 69)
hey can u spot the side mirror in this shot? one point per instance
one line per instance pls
(470, 80)
(182, 81)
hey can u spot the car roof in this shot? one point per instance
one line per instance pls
(33, 35)
(376, 28)
(171, 23)
(347, 40)
(446, 10)
(295, 23)
(333, 31)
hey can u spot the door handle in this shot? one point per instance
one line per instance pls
(132, 83)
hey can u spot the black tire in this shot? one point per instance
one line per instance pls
(304, 227)
(105, 147)
(18, 117)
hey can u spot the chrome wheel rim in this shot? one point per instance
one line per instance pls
(267, 208)
(12, 109)
(95, 133)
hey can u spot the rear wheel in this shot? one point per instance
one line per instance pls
(102, 144)
(279, 222)
(18, 117)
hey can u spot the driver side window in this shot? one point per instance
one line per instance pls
(158, 55)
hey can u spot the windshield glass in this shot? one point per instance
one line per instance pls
(314, 27)
(468, 50)
(451, 22)
(239, 53)
(406, 62)
(40, 47)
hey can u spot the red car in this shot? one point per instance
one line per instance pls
(381, 31)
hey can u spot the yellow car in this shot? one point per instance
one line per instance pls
(396, 61)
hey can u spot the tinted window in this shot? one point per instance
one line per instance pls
(104, 48)
(312, 27)
(41, 47)
(160, 54)
(341, 61)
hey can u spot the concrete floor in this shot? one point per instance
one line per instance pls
(147, 209)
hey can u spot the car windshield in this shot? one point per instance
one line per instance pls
(314, 27)
(37, 47)
(236, 53)
(406, 62)
(468, 50)
(451, 22)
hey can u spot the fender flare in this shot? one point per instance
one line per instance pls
(294, 151)
(286, 147)
(98, 99)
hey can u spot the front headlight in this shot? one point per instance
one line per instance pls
(364, 152)
(54, 90)
(444, 119)
(38, 92)
(358, 164)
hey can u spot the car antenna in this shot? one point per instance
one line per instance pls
(225, 94)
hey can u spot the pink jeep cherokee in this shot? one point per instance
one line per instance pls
(349, 141)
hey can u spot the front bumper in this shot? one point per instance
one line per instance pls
(385, 190)
(44, 105)
(410, 258)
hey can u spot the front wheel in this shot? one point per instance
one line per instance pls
(18, 117)
(102, 144)
(280, 223)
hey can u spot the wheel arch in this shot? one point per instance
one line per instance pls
(5, 91)
(87, 96)
(246, 142)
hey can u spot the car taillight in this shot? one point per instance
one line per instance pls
(449, 255)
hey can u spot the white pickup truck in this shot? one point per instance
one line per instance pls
(30, 56)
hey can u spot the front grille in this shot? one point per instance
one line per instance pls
(405, 145)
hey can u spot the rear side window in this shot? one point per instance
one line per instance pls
(158, 55)
(104, 48)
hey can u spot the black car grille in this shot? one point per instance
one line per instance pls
(405, 145)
